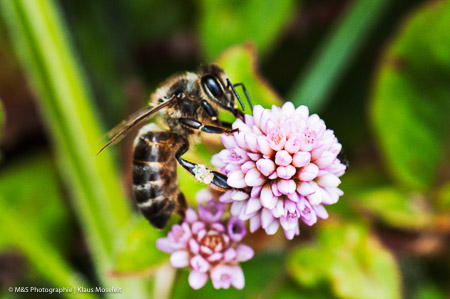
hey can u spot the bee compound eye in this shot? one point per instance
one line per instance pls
(210, 83)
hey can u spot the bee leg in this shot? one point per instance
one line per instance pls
(210, 110)
(213, 113)
(196, 125)
(220, 180)
(218, 130)
(236, 94)
(246, 93)
(199, 171)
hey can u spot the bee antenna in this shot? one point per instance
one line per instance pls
(236, 94)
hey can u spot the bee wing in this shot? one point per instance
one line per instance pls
(118, 132)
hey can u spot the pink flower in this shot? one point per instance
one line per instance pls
(209, 247)
(283, 167)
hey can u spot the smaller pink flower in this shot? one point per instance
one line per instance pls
(211, 211)
(209, 246)
(223, 276)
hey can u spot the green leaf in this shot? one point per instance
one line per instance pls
(397, 208)
(352, 261)
(410, 104)
(336, 53)
(21, 187)
(136, 250)
(313, 262)
(226, 23)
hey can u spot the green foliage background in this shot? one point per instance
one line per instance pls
(377, 72)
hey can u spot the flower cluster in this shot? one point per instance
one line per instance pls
(209, 247)
(283, 167)
(284, 164)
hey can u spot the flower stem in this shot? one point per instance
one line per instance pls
(43, 46)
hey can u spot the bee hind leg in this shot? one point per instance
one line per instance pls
(220, 181)
(199, 171)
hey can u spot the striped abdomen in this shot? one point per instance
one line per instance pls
(155, 176)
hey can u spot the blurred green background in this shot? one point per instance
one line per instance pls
(377, 72)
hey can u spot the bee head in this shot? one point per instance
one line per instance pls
(217, 86)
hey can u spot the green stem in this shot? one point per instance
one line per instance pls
(42, 44)
(335, 54)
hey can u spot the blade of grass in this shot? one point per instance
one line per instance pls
(336, 53)
(40, 253)
(42, 44)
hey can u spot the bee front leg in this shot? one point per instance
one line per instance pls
(196, 125)
(199, 171)
(210, 110)
(214, 117)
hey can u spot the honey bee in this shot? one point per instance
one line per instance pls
(187, 104)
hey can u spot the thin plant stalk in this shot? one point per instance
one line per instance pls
(42, 43)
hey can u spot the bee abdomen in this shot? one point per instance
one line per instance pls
(155, 176)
